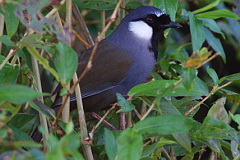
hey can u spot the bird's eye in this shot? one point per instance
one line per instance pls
(149, 19)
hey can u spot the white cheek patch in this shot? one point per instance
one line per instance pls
(141, 29)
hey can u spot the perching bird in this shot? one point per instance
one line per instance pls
(123, 60)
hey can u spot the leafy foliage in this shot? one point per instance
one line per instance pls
(166, 117)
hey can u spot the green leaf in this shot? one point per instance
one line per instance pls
(188, 75)
(133, 5)
(66, 62)
(157, 87)
(215, 43)
(127, 106)
(207, 7)
(20, 135)
(130, 145)
(167, 6)
(11, 19)
(218, 111)
(196, 29)
(7, 41)
(236, 118)
(212, 25)
(42, 108)
(165, 124)
(211, 72)
(110, 144)
(98, 5)
(23, 122)
(184, 140)
(18, 94)
(9, 73)
(32, 39)
(213, 128)
(232, 77)
(8, 110)
(42, 61)
(218, 14)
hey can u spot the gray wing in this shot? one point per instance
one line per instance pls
(109, 68)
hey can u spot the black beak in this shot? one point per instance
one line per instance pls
(171, 25)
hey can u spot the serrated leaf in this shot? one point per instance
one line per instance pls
(18, 94)
(130, 145)
(165, 124)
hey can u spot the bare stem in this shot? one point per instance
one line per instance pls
(83, 127)
(43, 119)
(214, 90)
(9, 56)
(99, 122)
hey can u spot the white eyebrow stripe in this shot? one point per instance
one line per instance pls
(158, 13)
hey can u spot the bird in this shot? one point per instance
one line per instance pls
(122, 60)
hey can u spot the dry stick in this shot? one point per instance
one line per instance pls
(82, 26)
(79, 37)
(9, 56)
(109, 125)
(166, 153)
(83, 127)
(89, 64)
(209, 95)
(208, 60)
(99, 122)
(1, 29)
(103, 20)
(137, 113)
(43, 120)
(54, 10)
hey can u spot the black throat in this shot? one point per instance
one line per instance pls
(157, 35)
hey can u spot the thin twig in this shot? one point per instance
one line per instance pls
(1, 29)
(99, 122)
(137, 113)
(82, 26)
(209, 95)
(165, 153)
(109, 125)
(208, 60)
(9, 56)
